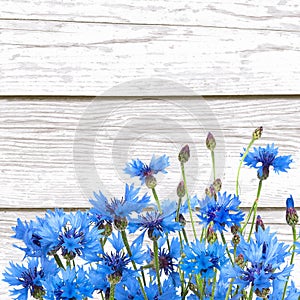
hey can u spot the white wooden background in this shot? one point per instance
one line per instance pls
(148, 63)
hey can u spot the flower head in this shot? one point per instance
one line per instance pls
(138, 168)
(291, 213)
(29, 278)
(263, 158)
(156, 224)
(117, 209)
(223, 212)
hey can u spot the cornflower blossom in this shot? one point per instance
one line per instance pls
(116, 263)
(118, 210)
(263, 158)
(168, 260)
(202, 258)
(156, 224)
(136, 168)
(69, 234)
(68, 284)
(262, 260)
(29, 278)
(223, 212)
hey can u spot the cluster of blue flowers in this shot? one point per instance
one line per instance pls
(130, 248)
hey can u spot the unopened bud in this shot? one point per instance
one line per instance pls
(234, 229)
(184, 154)
(239, 260)
(217, 185)
(210, 191)
(120, 223)
(259, 223)
(38, 292)
(291, 213)
(211, 235)
(257, 133)
(151, 181)
(106, 229)
(210, 142)
(182, 220)
(180, 189)
(236, 239)
(263, 293)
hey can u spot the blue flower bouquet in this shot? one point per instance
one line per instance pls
(130, 248)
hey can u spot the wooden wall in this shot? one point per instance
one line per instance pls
(86, 86)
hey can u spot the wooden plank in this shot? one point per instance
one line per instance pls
(67, 58)
(54, 152)
(274, 15)
(8, 219)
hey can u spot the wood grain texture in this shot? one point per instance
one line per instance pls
(54, 152)
(273, 15)
(75, 58)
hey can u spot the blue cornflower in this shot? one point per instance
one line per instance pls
(69, 284)
(291, 213)
(263, 158)
(202, 259)
(138, 168)
(263, 258)
(71, 235)
(221, 212)
(118, 210)
(29, 278)
(28, 233)
(168, 291)
(116, 263)
(156, 224)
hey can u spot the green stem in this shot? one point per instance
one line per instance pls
(214, 286)
(213, 163)
(227, 250)
(178, 209)
(112, 292)
(188, 200)
(240, 166)
(292, 259)
(255, 208)
(229, 289)
(156, 199)
(156, 262)
(58, 261)
(251, 293)
(125, 241)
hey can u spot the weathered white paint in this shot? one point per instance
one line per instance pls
(38, 138)
(70, 58)
(274, 15)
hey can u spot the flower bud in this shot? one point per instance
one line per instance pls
(106, 229)
(234, 229)
(151, 181)
(211, 235)
(182, 220)
(257, 133)
(38, 292)
(120, 223)
(180, 189)
(239, 260)
(259, 223)
(236, 239)
(217, 184)
(210, 142)
(263, 293)
(184, 154)
(291, 213)
(210, 192)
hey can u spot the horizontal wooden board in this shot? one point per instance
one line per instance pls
(274, 15)
(55, 152)
(8, 252)
(73, 58)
